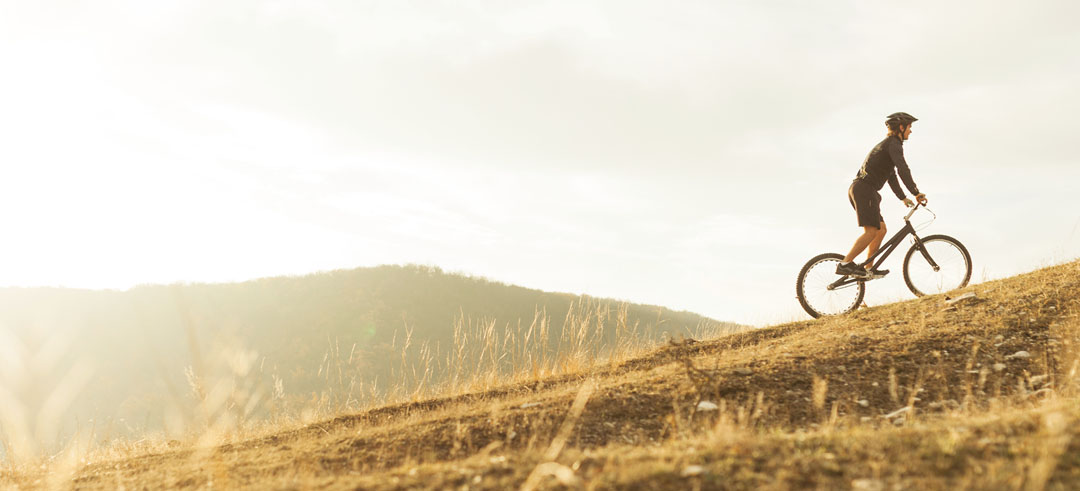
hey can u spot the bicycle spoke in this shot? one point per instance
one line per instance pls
(952, 272)
(817, 295)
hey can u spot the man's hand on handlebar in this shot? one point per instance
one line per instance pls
(921, 198)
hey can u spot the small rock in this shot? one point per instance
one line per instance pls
(866, 419)
(1038, 380)
(999, 367)
(560, 472)
(999, 338)
(898, 412)
(527, 405)
(863, 402)
(706, 406)
(1019, 355)
(867, 485)
(743, 371)
(899, 421)
(692, 470)
(951, 301)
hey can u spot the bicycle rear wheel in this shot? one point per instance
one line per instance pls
(817, 293)
(952, 271)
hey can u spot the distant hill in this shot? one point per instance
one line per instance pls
(335, 339)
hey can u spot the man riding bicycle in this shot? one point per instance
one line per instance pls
(884, 162)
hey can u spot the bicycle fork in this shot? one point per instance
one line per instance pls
(925, 253)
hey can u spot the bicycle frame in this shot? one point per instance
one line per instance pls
(887, 248)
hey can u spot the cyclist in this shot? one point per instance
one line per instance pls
(884, 162)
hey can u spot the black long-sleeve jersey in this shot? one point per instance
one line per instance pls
(883, 163)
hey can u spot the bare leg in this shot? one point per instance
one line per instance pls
(869, 234)
(874, 244)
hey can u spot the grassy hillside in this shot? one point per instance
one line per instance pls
(977, 394)
(173, 357)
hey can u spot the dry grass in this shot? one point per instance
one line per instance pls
(902, 396)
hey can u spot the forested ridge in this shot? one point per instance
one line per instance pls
(330, 338)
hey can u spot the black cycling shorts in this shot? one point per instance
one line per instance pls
(867, 204)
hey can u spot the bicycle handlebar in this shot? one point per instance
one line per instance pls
(912, 212)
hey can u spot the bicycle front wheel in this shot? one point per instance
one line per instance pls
(942, 265)
(822, 292)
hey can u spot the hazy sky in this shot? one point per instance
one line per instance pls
(687, 154)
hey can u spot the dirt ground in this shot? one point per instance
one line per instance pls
(917, 394)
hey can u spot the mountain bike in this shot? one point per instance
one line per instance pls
(934, 264)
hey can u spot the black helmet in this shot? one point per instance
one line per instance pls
(900, 118)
